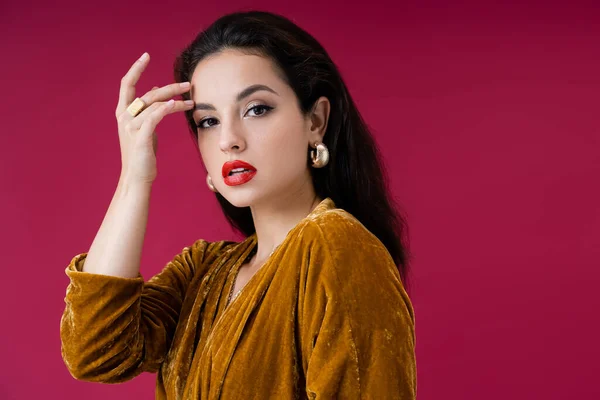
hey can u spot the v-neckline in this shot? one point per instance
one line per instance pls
(255, 287)
(251, 243)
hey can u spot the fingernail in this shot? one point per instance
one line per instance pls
(184, 85)
(170, 103)
(189, 102)
(144, 57)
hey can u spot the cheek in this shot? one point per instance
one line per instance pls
(208, 154)
(286, 130)
(287, 149)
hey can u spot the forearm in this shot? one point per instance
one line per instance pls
(117, 247)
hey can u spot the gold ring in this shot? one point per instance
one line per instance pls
(136, 107)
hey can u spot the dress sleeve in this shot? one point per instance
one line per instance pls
(358, 337)
(113, 328)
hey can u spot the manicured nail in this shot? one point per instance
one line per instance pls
(170, 103)
(144, 57)
(184, 85)
(189, 102)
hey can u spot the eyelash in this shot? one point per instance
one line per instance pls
(260, 106)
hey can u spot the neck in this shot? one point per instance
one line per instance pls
(273, 220)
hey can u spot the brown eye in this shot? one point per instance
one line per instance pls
(202, 125)
(260, 110)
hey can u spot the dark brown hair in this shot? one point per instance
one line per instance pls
(355, 178)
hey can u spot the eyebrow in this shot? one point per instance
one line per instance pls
(242, 95)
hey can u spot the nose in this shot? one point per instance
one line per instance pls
(232, 138)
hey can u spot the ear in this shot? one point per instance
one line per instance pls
(318, 119)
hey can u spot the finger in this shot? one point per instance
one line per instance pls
(165, 93)
(152, 120)
(178, 106)
(128, 82)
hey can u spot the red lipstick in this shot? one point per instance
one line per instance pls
(237, 172)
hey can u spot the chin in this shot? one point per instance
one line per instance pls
(240, 197)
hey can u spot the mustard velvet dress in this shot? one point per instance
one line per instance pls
(325, 317)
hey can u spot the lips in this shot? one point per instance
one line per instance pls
(234, 178)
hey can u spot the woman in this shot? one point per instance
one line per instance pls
(312, 303)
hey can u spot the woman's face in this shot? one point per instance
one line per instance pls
(245, 111)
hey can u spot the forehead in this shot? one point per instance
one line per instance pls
(228, 72)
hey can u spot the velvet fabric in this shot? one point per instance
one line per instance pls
(325, 317)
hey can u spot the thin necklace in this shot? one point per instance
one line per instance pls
(253, 252)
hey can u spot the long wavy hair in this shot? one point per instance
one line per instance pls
(355, 178)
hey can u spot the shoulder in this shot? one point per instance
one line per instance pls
(339, 231)
(205, 249)
(201, 254)
(347, 264)
(342, 249)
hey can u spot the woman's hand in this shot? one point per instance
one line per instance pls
(137, 136)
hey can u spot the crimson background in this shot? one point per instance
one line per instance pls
(487, 116)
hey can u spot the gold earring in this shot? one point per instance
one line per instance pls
(321, 158)
(210, 184)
